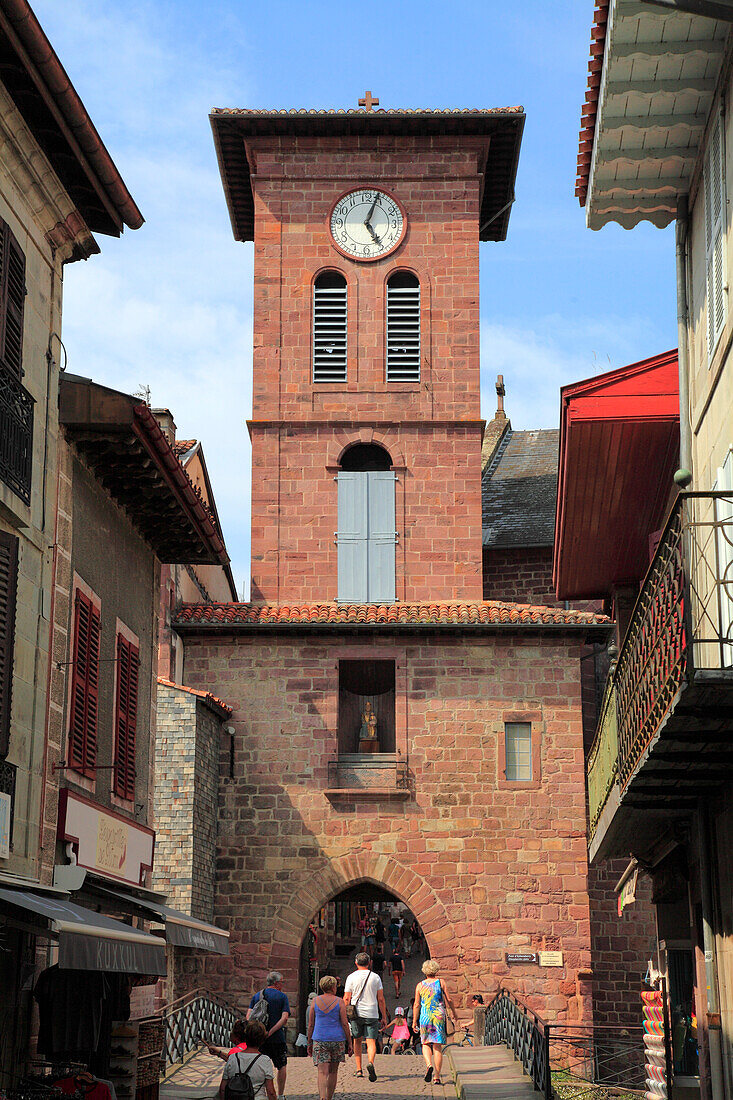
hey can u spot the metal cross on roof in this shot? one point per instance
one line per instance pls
(368, 102)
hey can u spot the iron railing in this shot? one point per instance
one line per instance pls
(16, 434)
(199, 1017)
(682, 623)
(512, 1023)
(587, 1060)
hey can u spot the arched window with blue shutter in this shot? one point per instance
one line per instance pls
(330, 327)
(367, 534)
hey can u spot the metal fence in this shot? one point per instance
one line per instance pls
(594, 1061)
(16, 434)
(512, 1023)
(199, 1017)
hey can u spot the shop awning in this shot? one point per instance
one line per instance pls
(181, 930)
(89, 941)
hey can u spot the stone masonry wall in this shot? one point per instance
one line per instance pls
(520, 575)
(204, 812)
(487, 866)
(175, 760)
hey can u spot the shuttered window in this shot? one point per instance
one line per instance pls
(128, 665)
(403, 328)
(715, 217)
(330, 338)
(518, 749)
(84, 685)
(8, 585)
(12, 301)
(367, 536)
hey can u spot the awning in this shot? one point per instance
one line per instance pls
(181, 930)
(89, 941)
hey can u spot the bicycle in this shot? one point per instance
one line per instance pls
(466, 1039)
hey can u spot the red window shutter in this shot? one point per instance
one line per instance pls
(12, 301)
(128, 665)
(8, 585)
(84, 685)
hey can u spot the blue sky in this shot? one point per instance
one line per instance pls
(170, 306)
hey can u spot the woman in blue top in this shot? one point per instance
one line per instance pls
(329, 1035)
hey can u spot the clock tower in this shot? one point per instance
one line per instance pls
(366, 425)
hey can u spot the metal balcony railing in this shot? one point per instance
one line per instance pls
(16, 434)
(681, 626)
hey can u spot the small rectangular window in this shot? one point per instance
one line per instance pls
(518, 751)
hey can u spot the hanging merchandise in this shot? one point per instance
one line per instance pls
(655, 1057)
(70, 1008)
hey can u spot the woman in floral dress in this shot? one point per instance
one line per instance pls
(429, 1012)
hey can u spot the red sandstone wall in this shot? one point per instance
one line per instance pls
(486, 867)
(621, 945)
(521, 575)
(299, 429)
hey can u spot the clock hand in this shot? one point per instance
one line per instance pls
(375, 238)
(371, 211)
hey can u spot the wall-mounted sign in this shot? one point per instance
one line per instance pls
(105, 841)
(515, 958)
(551, 958)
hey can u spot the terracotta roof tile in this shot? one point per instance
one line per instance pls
(449, 613)
(181, 446)
(590, 107)
(218, 705)
(360, 111)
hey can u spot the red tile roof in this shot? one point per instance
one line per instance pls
(223, 709)
(181, 446)
(453, 613)
(590, 107)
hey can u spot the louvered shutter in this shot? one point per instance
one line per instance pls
(382, 537)
(330, 328)
(12, 280)
(8, 585)
(128, 665)
(403, 328)
(715, 211)
(84, 686)
(352, 537)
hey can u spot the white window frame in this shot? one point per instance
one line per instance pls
(515, 756)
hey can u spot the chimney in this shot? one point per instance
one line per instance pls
(167, 424)
(495, 429)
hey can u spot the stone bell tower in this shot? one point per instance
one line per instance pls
(366, 226)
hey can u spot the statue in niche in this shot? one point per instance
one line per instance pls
(368, 731)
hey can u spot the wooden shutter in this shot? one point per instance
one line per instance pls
(12, 301)
(352, 537)
(8, 585)
(84, 686)
(403, 328)
(330, 333)
(715, 218)
(128, 665)
(382, 537)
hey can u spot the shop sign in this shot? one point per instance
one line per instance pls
(105, 841)
(515, 958)
(627, 890)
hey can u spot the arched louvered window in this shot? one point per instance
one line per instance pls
(403, 327)
(329, 327)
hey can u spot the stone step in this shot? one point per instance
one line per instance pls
(488, 1073)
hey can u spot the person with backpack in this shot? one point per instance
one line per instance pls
(249, 1075)
(272, 1009)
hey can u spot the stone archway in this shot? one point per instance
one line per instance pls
(291, 921)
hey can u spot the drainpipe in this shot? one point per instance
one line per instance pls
(717, 1091)
(683, 476)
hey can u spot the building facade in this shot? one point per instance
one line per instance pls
(390, 727)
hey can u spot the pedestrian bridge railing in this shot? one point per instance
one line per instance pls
(510, 1022)
(199, 1017)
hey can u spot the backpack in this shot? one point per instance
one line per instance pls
(261, 1011)
(240, 1086)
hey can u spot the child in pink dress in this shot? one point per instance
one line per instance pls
(401, 1034)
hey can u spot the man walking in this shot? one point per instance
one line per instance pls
(364, 991)
(278, 1012)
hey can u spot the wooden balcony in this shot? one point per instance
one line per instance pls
(665, 735)
(16, 434)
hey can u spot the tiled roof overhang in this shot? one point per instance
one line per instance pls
(123, 445)
(220, 708)
(652, 77)
(39, 86)
(502, 126)
(450, 615)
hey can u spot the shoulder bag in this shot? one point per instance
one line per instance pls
(351, 1008)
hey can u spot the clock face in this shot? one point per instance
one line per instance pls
(367, 224)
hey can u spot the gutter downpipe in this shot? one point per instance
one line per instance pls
(683, 476)
(713, 1029)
